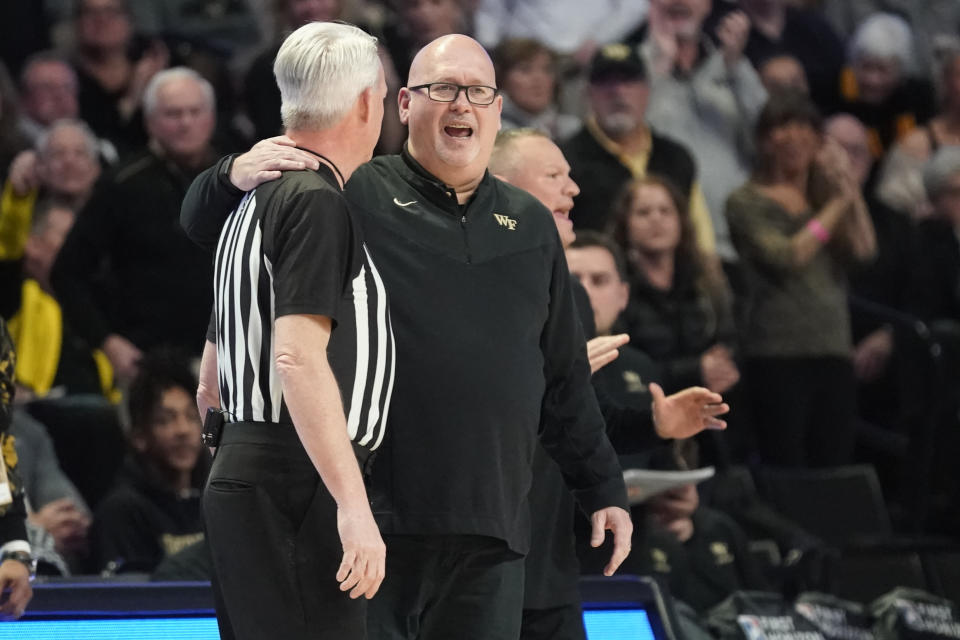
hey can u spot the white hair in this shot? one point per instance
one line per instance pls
(89, 138)
(151, 93)
(321, 70)
(886, 36)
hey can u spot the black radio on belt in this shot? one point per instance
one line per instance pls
(212, 427)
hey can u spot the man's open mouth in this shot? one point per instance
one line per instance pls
(458, 131)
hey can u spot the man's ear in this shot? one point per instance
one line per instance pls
(365, 102)
(403, 104)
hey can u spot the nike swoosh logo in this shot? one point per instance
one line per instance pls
(403, 204)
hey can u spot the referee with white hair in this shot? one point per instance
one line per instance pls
(301, 321)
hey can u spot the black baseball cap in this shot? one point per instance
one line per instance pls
(617, 60)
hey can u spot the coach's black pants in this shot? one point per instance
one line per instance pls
(556, 623)
(452, 587)
(272, 529)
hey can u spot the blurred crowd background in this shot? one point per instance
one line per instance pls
(767, 201)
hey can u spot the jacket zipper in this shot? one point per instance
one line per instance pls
(466, 239)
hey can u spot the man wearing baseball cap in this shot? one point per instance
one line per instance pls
(616, 144)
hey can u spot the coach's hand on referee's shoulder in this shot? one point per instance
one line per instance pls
(267, 159)
(364, 553)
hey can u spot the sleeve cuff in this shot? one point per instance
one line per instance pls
(14, 546)
(223, 174)
(611, 493)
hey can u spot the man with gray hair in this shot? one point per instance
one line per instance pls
(878, 87)
(301, 321)
(160, 291)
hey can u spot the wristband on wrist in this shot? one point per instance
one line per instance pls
(818, 230)
(22, 557)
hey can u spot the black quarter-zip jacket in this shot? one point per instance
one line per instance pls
(489, 351)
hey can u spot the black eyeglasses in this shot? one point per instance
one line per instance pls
(477, 94)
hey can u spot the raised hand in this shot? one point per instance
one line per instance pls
(733, 33)
(686, 413)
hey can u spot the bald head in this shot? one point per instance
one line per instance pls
(451, 51)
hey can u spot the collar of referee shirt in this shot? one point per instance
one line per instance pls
(328, 161)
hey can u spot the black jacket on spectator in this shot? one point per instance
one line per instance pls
(600, 175)
(935, 290)
(675, 327)
(99, 109)
(128, 268)
(808, 37)
(886, 280)
(465, 417)
(141, 521)
(911, 104)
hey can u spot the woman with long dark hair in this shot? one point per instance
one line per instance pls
(679, 311)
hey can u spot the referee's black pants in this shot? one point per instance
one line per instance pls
(272, 530)
(448, 587)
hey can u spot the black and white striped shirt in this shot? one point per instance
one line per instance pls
(291, 247)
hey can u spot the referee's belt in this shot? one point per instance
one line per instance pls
(274, 433)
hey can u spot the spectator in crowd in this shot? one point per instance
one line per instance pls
(885, 281)
(416, 23)
(598, 263)
(113, 69)
(616, 144)
(796, 224)
(48, 92)
(783, 72)
(936, 262)
(16, 562)
(161, 294)
(53, 359)
(527, 73)
(64, 166)
(12, 140)
(876, 87)
(154, 511)
(931, 21)
(778, 29)
(54, 505)
(704, 96)
(569, 27)
(900, 184)
(680, 310)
